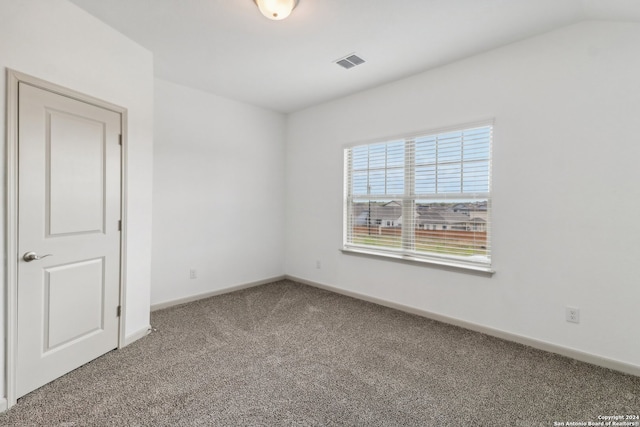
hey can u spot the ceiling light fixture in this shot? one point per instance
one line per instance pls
(276, 9)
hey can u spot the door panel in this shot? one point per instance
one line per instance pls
(73, 298)
(69, 196)
(75, 144)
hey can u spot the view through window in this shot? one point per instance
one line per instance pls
(426, 197)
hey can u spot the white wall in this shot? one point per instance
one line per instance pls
(566, 176)
(218, 197)
(56, 41)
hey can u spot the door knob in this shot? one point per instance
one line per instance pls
(32, 256)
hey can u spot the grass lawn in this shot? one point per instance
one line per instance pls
(459, 247)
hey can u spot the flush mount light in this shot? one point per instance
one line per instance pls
(276, 9)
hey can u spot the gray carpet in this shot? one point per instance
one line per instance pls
(289, 354)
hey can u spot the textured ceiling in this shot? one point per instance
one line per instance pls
(228, 48)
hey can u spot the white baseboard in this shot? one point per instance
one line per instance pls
(3, 404)
(582, 356)
(141, 333)
(191, 298)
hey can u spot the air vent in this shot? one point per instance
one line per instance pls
(349, 61)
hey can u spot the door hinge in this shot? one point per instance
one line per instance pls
(119, 225)
(119, 311)
(120, 139)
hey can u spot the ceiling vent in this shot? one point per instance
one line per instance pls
(350, 61)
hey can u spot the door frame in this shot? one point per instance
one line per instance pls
(13, 79)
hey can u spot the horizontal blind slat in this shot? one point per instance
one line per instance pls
(426, 195)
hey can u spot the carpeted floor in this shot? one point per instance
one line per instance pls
(289, 354)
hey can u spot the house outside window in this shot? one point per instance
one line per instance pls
(424, 198)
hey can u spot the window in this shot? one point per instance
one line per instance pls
(436, 190)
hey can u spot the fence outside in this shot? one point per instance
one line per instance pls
(470, 242)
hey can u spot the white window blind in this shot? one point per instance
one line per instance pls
(425, 198)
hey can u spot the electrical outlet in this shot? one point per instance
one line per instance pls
(573, 315)
(318, 265)
(193, 273)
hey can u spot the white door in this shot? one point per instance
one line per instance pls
(69, 197)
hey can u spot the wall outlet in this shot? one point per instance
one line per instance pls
(318, 264)
(193, 273)
(573, 314)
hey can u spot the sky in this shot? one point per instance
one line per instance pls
(446, 163)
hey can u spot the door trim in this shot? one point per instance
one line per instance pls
(11, 226)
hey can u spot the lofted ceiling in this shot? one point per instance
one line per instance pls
(228, 48)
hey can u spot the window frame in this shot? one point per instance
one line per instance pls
(409, 200)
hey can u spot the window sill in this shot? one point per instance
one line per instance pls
(445, 264)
